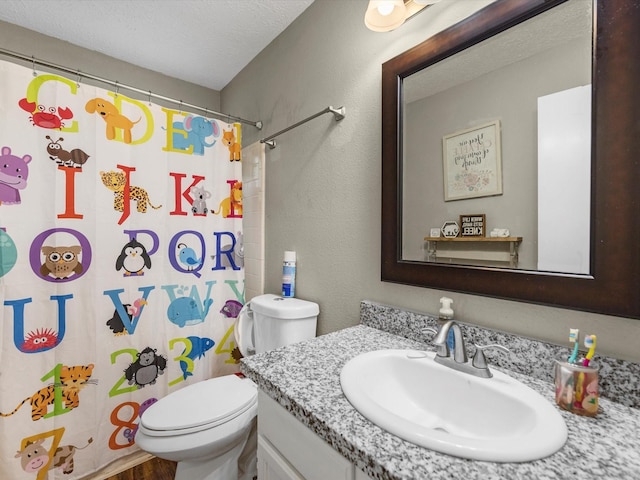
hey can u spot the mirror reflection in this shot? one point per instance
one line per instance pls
(496, 149)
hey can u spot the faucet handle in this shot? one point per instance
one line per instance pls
(431, 330)
(479, 360)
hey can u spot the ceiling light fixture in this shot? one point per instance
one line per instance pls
(387, 15)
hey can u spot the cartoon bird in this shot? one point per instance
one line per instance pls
(188, 257)
(116, 324)
(61, 262)
(199, 346)
(134, 310)
(133, 258)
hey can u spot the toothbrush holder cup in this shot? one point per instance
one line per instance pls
(577, 387)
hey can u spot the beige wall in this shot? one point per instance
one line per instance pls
(323, 180)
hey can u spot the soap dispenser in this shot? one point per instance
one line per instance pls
(446, 312)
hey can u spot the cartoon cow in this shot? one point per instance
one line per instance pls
(34, 457)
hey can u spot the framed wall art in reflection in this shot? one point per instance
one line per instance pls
(472, 163)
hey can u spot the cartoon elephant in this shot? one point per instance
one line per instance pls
(185, 311)
(198, 129)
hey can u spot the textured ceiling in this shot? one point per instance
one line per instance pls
(206, 42)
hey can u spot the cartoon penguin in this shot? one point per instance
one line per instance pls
(133, 258)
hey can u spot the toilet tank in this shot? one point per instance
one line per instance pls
(279, 321)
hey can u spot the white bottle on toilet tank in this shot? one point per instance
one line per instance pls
(289, 274)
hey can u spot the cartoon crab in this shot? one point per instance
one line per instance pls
(45, 117)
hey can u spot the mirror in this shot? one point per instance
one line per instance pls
(605, 281)
(505, 108)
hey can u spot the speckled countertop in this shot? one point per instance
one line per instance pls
(304, 379)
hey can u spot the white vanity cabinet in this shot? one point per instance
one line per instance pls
(288, 450)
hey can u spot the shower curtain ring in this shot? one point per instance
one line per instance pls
(149, 97)
(78, 78)
(33, 65)
(116, 89)
(180, 107)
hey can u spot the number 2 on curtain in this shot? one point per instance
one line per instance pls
(116, 390)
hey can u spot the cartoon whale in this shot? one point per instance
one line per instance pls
(186, 311)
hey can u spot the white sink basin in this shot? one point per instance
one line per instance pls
(496, 419)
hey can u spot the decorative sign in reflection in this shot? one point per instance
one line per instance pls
(472, 162)
(473, 225)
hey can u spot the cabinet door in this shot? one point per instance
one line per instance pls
(296, 446)
(271, 465)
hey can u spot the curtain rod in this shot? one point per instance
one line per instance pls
(34, 61)
(338, 114)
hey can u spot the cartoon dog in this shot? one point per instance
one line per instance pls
(112, 117)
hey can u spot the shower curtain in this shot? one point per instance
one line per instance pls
(121, 266)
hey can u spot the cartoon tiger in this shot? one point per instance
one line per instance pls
(116, 182)
(72, 380)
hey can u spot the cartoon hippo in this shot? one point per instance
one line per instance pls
(14, 172)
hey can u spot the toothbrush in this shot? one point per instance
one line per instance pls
(590, 343)
(574, 333)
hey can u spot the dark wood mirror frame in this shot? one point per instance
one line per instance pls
(613, 287)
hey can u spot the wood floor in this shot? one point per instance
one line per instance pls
(154, 469)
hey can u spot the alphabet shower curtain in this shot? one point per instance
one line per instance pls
(121, 267)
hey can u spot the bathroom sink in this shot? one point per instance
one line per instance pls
(496, 419)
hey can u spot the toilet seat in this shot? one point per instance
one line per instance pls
(199, 406)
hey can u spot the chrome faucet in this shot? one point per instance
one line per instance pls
(440, 341)
(458, 360)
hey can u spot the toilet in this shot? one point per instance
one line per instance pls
(209, 427)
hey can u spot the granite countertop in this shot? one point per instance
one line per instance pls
(304, 379)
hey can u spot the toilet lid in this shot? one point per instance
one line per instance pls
(200, 405)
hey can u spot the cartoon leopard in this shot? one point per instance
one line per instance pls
(116, 182)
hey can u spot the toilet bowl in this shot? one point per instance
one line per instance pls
(209, 427)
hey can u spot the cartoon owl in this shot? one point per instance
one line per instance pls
(61, 262)
(133, 258)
